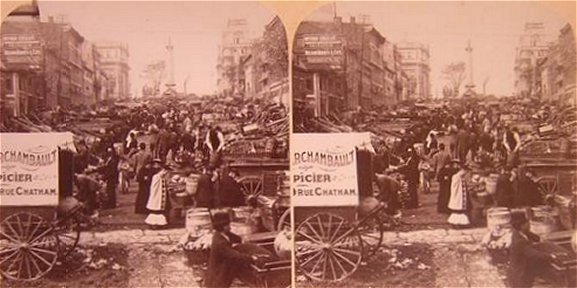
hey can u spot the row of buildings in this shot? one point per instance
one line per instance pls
(340, 66)
(254, 68)
(50, 64)
(545, 66)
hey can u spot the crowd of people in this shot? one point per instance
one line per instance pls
(446, 145)
(150, 146)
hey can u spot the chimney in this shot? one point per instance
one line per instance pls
(353, 20)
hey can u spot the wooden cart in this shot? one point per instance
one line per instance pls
(267, 180)
(275, 272)
(37, 229)
(331, 241)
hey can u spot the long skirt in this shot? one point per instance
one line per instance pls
(142, 198)
(443, 197)
(459, 219)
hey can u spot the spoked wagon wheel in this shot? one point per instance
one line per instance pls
(251, 185)
(68, 233)
(328, 247)
(284, 222)
(547, 185)
(371, 230)
(28, 247)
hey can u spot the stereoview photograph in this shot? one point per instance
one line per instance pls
(435, 145)
(144, 144)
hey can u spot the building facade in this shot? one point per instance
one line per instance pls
(341, 66)
(415, 63)
(265, 68)
(48, 64)
(533, 47)
(22, 67)
(555, 73)
(114, 62)
(235, 46)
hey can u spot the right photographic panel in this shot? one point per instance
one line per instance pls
(434, 144)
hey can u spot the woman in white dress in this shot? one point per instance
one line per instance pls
(459, 202)
(158, 202)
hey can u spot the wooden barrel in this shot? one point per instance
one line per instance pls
(543, 220)
(197, 219)
(498, 216)
(491, 183)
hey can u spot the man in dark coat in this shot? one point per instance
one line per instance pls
(505, 188)
(205, 189)
(527, 192)
(224, 261)
(463, 144)
(109, 172)
(444, 177)
(229, 192)
(144, 179)
(526, 261)
(411, 172)
(162, 144)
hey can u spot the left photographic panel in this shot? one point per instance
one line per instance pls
(144, 144)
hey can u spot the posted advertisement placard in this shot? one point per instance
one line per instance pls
(324, 170)
(29, 168)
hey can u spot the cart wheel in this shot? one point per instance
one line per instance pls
(371, 230)
(328, 247)
(28, 247)
(547, 185)
(284, 222)
(251, 185)
(68, 232)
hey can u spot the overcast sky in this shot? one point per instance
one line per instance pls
(493, 27)
(194, 27)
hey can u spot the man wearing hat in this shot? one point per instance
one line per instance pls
(224, 260)
(526, 261)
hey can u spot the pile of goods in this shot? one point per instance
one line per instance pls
(266, 135)
(182, 189)
(477, 187)
(196, 248)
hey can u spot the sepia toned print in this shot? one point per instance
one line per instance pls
(144, 144)
(434, 145)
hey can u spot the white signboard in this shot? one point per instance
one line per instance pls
(29, 168)
(324, 169)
